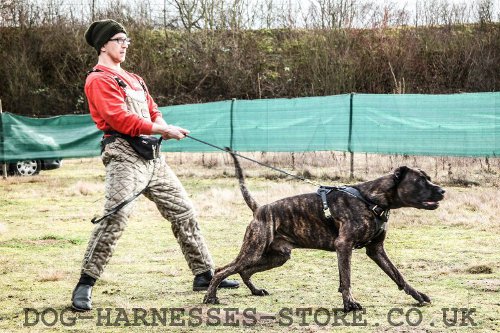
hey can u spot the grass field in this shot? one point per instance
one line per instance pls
(451, 254)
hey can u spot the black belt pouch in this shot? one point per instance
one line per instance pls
(148, 147)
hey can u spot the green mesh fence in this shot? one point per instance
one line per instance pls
(301, 124)
(459, 124)
(451, 125)
(57, 137)
(209, 121)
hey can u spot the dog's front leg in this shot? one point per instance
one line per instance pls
(344, 253)
(377, 253)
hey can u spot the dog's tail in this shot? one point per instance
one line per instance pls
(244, 190)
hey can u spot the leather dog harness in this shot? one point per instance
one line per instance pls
(381, 214)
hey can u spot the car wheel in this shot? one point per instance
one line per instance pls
(25, 168)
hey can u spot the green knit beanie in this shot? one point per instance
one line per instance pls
(100, 32)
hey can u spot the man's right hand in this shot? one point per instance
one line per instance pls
(169, 131)
(174, 132)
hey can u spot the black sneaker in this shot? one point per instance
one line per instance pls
(81, 299)
(202, 281)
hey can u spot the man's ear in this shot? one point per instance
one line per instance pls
(400, 172)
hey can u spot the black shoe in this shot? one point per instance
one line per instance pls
(201, 282)
(81, 299)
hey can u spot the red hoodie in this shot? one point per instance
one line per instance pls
(107, 102)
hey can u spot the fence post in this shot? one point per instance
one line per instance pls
(231, 123)
(349, 142)
(4, 165)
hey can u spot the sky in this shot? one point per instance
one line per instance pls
(156, 8)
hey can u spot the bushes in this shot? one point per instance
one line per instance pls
(43, 69)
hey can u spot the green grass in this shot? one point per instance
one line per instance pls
(450, 254)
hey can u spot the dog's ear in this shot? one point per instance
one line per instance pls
(400, 172)
(425, 174)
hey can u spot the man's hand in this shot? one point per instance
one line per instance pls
(174, 132)
(169, 131)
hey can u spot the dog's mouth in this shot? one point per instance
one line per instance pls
(433, 202)
(430, 204)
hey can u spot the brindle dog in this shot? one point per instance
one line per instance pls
(300, 222)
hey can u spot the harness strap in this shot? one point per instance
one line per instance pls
(323, 191)
(120, 82)
(381, 214)
(374, 208)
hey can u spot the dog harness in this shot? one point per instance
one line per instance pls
(381, 214)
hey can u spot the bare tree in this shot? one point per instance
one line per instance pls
(334, 13)
(20, 13)
(485, 11)
(189, 13)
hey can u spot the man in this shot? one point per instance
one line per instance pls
(122, 108)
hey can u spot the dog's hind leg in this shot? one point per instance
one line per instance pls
(251, 253)
(220, 274)
(269, 261)
(377, 253)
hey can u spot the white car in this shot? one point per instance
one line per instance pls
(31, 167)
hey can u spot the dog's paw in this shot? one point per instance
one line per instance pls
(422, 298)
(210, 300)
(260, 292)
(352, 306)
(418, 296)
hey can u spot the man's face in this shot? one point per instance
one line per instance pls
(116, 47)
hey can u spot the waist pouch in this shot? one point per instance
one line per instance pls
(148, 147)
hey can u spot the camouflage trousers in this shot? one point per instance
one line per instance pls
(128, 173)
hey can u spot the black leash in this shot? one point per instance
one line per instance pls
(125, 202)
(122, 204)
(255, 161)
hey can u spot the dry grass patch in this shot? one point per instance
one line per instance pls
(488, 285)
(51, 276)
(86, 188)
(479, 269)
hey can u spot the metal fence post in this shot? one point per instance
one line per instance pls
(349, 142)
(4, 165)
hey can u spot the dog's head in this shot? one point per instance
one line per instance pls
(415, 189)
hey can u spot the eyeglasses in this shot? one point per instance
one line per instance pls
(122, 41)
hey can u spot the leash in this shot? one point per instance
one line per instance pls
(227, 150)
(125, 202)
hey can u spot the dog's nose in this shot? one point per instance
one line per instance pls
(442, 191)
